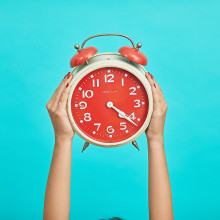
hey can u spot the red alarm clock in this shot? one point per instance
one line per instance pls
(110, 103)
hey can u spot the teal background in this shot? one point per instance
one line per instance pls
(181, 41)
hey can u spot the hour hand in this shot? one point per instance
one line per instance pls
(128, 118)
(121, 114)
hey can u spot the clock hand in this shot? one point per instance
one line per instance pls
(128, 118)
(120, 113)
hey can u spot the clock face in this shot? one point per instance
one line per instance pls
(109, 105)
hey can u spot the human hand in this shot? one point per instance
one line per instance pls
(57, 110)
(155, 129)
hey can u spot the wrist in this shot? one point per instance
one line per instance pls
(157, 141)
(63, 140)
(155, 138)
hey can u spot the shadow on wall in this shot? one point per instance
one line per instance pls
(114, 218)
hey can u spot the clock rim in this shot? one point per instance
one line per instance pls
(118, 63)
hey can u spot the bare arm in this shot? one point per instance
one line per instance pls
(160, 196)
(57, 196)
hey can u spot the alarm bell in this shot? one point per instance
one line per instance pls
(131, 53)
(82, 55)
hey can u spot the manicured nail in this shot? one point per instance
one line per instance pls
(67, 85)
(68, 76)
(154, 85)
(151, 75)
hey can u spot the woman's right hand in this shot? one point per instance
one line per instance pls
(155, 129)
(57, 110)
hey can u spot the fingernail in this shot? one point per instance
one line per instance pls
(154, 85)
(151, 75)
(67, 85)
(68, 76)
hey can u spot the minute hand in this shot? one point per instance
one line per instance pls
(122, 114)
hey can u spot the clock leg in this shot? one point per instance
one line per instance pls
(135, 144)
(85, 146)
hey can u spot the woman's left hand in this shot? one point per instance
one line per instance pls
(57, 110)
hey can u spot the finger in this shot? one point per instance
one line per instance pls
(156, 96)
(163, 101)
(64, 97)
(60, 90)
(54, 94)
(158, 89)
(59, 87)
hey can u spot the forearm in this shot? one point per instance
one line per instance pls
(57, 196)
(160, 197)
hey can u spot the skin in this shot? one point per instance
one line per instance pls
(57, 196)
(159, 189)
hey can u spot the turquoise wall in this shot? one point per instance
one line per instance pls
(181, 41)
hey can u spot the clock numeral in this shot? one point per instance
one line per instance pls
(132, 116)
(137, 103)
(110, 129)
(87, 94)
(97, 124)
(87, 117)
(133, 91)
(109, 78)
(82, 105)
(95, 83)
(122, 82)
(123, 125)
